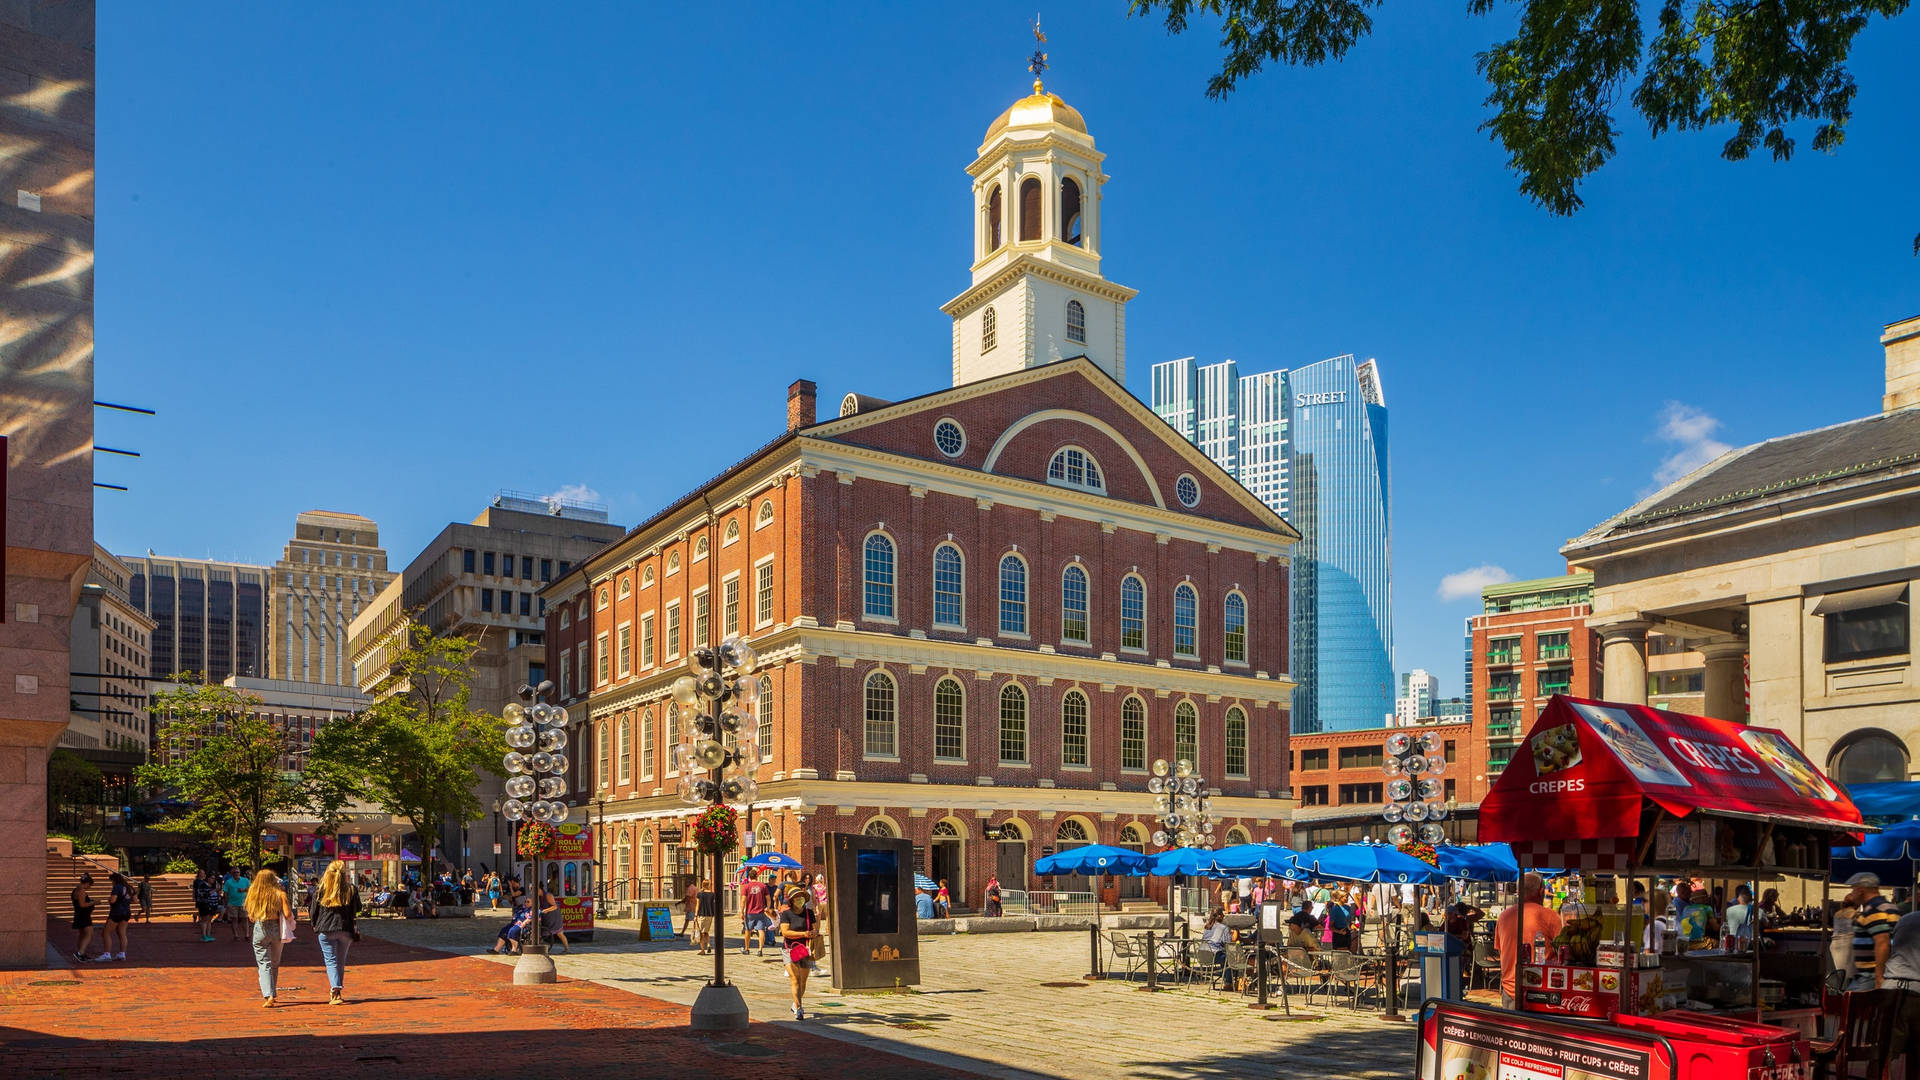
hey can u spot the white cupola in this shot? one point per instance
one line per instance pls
(1037, 294)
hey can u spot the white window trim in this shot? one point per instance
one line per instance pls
(700, 549)
(1064, 767)
(1047, 477)
(764, 515)
(963, 437)
(626, 587)
(1000, 719)
(1175, 624)
(758, 622)
(601, 644)
(583, 681)
(623, 667)
(673, 563)
(722, 613)
(1146, 736)
(1246, 616)
(647, 640)
(933, 592)
(1146, 608)
(622, 754)
(566, 616)
(962, 759)
(1246, 749)
(885, 620)
(999, 627)
(891, 678)
(601, 599)
(1076, 643)
(693, 609)
(673, 608)
(642, 725)
(646, 577)
(730, 533)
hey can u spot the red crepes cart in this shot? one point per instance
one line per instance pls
(1605, 788)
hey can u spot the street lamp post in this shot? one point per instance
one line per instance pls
(536, 769)
(724, 699)
(1180, 796)
(497, 800)
(599, 845)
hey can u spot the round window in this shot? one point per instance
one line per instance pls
(948, 436)
(1188, 489)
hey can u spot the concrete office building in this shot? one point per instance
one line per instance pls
(210, 618)
(46, 414)
(111, 663)
(481, 579)
(1790, 567)
(333, 566)
(300, 709)
(1418, 688)
(1311, 443)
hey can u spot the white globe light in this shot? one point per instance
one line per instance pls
(513, 809)
(515, 761)
(686, 691)
(520, 787)
(1432, 834)
(559, 762)
(540, 762)
(1183, 768)
(1159, 766)
(552, 787)
(1398, 742)
(1436, 765)
(1393, 812)
(746, 694)
(1399, 834)
(541, 811)
(1417, 812)
(1392, 767)
(1437, 812)
(1429, 743)
(1429, 789)
(1399, 790)
(748, 753)
(1159, 838)
(1415, 765)
(514, 712)
(1156, 785)
(709, 755)
(749, 789)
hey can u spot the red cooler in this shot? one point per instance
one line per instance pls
(1716, 1048)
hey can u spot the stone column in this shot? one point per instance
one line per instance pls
(1779, 653)
(1623, 647)
(1726, 679)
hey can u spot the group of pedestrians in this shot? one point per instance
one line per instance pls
(120, 900)
(513, 936)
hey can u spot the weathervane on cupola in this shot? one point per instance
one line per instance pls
(1037, 63)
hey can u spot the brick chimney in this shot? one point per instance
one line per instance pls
(1902, 341)
(800, 404)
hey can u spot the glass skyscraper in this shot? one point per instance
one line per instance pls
(1311, 443)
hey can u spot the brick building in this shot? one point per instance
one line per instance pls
(1530, 642)
(1338, 782)
(975, 609)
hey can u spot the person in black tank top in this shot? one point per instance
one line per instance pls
(82, 917)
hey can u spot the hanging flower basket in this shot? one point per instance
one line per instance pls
(1422, 851)
(536, 839)
(717, 829)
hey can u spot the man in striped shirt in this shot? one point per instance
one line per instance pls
(1873, 923)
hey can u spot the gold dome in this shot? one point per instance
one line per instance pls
(1038, 110)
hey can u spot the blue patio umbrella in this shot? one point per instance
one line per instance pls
(1374, 863)
(923, 883)
(1888, 855)
(1479, 862)
(1094, 859)
(1187, 861)
(777, 860)
(1258, 860)
(1887, 798)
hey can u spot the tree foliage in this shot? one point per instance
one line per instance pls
(223, 759)
(1757, 65)
(419, 750)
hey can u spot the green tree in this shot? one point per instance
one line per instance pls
(1757, 65)
(74, 786)
(224, 759)
(419, 750)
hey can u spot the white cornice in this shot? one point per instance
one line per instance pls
(1029, 263)
(1004, 144)
(813, 796)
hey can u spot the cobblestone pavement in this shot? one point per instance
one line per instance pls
(1003, 1005)
(180, 1008)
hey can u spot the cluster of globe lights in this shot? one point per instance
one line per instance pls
(720, 676)
(537, 763)
(1181, 798)
(1414, 810)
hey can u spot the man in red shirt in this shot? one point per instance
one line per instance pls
(753, 912)
(1507, 933)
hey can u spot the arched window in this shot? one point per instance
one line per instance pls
(646, 854)
(700, 549)
(949, 586)
(766, 718)
(1030, 199)
(1013, 595)
(1133, 734)
(1234, 623)
(995, 230)
(605, 776)
(989, 329)
(763, 837)
(673, 732)
(625, 750)
(646, 745)
(1236, 743)
(766, 514)
(877, 567)
(1186, 620)
(879, 827)
(646, 577)
(1134, 836)
(1238, 835)
(1133, 613)
(949, 721)
(603, 599)
(1073, 729)
(673, 562)
(1073, 605)
(1867, 757)
(1076, 322)
(882, 719)
(626, 586)
(1070, 834)
(1070, 213)
(1186, 733)
(732, 532)
(1013, 725)
(1075, 468)
(946, 830)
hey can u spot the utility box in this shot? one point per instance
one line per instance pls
(875, 934)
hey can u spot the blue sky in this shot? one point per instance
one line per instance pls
(392, 258)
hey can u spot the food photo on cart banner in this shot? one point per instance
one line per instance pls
(1674, 947)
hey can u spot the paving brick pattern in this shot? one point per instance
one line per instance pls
(181, 1008)
(1010, 1006)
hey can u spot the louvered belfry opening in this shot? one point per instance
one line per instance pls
(1030, 195)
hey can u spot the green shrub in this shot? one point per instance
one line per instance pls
(89, 842)
(180, 864)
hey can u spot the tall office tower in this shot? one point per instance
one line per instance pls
(1418, 691)
(1311, 442)
(333, 566)
(110, 640)
(209, 618)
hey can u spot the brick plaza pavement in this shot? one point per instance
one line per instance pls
(181, 1008)
(1010, 1006)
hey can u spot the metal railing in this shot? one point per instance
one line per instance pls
(1047, 902)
